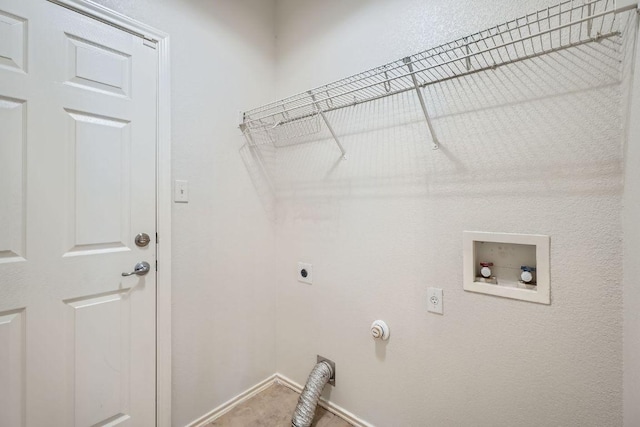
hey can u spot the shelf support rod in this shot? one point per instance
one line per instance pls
(467, 61)
(435, 144)
(326, 122)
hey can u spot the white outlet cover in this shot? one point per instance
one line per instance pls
(308, 268)
(434, 300)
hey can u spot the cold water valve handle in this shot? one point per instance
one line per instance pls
(527, 273)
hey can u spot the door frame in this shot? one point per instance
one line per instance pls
(163, 190)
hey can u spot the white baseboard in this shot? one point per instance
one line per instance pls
(233, 402)
(331, 407)
(264, 384)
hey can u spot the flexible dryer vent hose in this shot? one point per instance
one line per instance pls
(306, 409)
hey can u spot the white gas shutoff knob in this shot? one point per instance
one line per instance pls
(380, 330)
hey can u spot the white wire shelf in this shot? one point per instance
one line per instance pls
(567, 24)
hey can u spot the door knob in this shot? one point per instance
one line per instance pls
(140, 269)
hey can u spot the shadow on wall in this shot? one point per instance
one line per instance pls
(546, 126)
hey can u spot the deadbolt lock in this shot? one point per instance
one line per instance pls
(142, 240)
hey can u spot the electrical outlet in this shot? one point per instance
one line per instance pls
(434, 300)
(305, 272)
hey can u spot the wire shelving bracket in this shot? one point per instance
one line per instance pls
(326, 122)
(423, 105)
(566, 24)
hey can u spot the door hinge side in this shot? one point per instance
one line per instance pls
(157, 239)
(156, 265)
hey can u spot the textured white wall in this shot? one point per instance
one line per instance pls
(222, 55)
(530, 148)
(631, 255)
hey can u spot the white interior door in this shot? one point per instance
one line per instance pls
(77, 184)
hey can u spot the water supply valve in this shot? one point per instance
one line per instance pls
(485, 271)
(527, 274)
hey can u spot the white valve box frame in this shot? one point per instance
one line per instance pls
(542, 292)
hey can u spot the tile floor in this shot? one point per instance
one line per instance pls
(273, 408)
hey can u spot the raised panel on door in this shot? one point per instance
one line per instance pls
(96, 67)
(101, 339)
(13, 42)
(12, 368)
(12, 179)
(99, 183)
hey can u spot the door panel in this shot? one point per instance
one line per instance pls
(101, 339)
(13, 31)
(96, 67)
(77, 183)
(12, 179)
(100, 150)
(12, 352)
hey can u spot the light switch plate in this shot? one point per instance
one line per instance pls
(181, 191)
(305, 273)
(434, 300)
